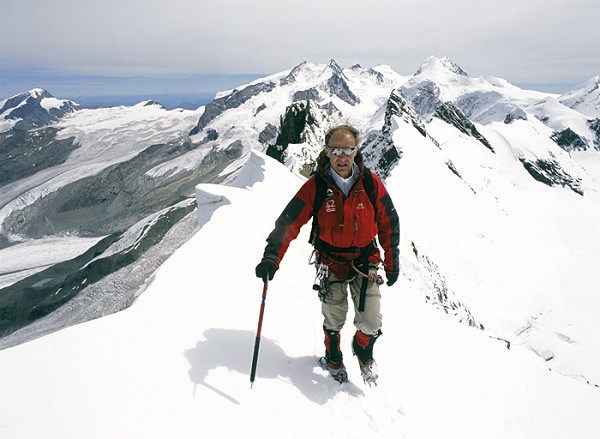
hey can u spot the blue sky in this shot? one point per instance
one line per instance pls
(107, 89)
(79, 47)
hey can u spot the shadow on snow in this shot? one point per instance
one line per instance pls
(233, 349)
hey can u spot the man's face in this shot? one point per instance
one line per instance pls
(342, 164)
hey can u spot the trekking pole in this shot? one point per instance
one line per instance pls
(257, 342)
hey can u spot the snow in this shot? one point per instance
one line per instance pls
(492, 246)
(106, 136)
(7, 124)
(36, 92)
(177, 363)
(30, 256)
(585, 98)
(559, 117)
(50, 103)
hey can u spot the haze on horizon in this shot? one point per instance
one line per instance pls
(74, 48)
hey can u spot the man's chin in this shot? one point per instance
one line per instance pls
(342, 169)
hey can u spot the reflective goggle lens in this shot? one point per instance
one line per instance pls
(340, 151)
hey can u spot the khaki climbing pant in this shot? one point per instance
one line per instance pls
(335, 307)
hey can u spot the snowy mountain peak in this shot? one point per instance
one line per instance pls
(150, 103)
(38, 93)
(33, 109)
(294, 73)
(585, 98)
(333, 65)
(444, 65)
(335, 70)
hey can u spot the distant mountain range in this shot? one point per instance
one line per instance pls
(126, 175)
(171, 101)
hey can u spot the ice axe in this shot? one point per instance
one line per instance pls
(257, 342)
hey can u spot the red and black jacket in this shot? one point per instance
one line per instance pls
(347, 226)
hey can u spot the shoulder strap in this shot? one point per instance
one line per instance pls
(369, 187)
(320, 194)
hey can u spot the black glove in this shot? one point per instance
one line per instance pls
(266, 269)
(391, 278)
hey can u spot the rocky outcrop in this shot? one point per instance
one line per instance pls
(424, 97)
(24, 153)
(34, 109)
(452, 115)
(595, 127)
(569, 140)
(300, 136)
(549, 172)
(379, 150)
(337, 85)
(305, 95)
(233, 100)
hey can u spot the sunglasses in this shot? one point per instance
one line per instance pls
(340, 151)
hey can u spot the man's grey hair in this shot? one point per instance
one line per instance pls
(347, 127)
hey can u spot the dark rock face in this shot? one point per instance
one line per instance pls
(569, 140)
(378, 149)
(294, 73)
(549, 172)
(336, 85)
(424, 97)
(595, 127)
(450, 114)
(398, 105)
(268, 134)
(28, 108)
(23, 153)
(305, 95)
(36, 296)
(121, 195)
(292, 125)
(233, 100)
(515, 115)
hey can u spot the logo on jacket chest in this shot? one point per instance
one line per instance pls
(329, 201)
(330, 205)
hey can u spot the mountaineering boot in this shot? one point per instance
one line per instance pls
(333, 359)
(337, 370)
(368, 370)
(362, 346)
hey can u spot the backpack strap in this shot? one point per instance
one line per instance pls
(320, 195)
(369, 187)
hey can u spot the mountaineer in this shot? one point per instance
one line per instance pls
(350, 207)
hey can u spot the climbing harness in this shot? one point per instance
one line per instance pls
(373, 278)
(321, 282)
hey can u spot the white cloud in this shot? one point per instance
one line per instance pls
(522, 41)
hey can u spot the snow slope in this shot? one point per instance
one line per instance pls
(585, 98)
(176, 363)
(106, 136)
(28, 257)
